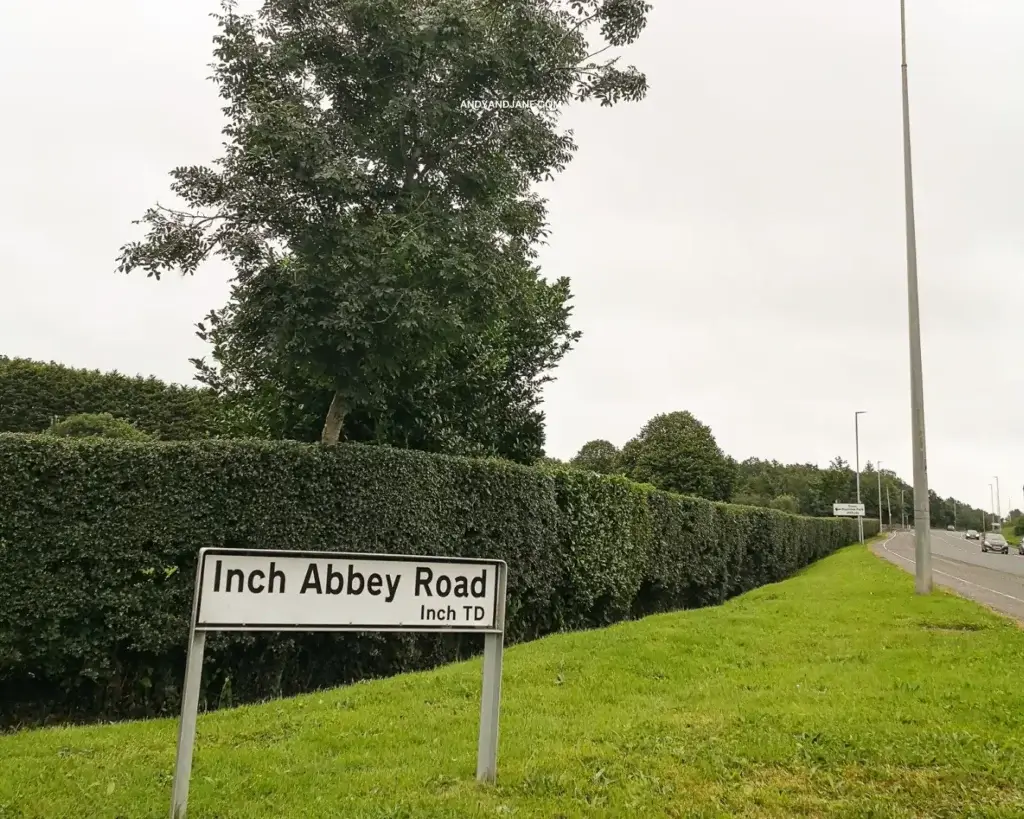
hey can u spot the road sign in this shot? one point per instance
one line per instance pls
(849, 510)
(278, 590)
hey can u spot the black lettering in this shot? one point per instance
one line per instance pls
(216, 577)
(447, 585)
(479, 585)
(353, 577)
(312, 580)
(423, 578)
(332, 576)
(241, 579)
(373, 584)
(252, 576)
(478, 612)
(274, 574)
(449, 614)
(461, 586)
(468, 610)
(392, 587)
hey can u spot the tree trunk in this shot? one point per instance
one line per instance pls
(335, 419)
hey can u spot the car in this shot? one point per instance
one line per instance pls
(951, 528)
(970, 534)
(995, 543)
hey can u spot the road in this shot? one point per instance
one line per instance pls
(997, 581)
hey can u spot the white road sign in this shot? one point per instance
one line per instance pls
(276, 590)
(256, 590)
(853, 510)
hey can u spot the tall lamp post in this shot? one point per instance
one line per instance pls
(879, 467)
(856, 445)
(999, 502)
(922, 512)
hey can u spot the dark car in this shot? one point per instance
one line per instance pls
(995, 543)
(970, 534)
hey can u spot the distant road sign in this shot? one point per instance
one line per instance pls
(848, 510)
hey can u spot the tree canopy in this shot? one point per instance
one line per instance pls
(762, 483)
(598, 456)
(382, 230)
(678, 453)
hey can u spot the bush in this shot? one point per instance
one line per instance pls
(97, 425)
(32, 394)
(99, 539)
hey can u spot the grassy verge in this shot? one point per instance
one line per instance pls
(1011, 538)
(837, 693)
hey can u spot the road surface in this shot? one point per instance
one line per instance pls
(995, 580)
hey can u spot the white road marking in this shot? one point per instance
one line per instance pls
(885, 546)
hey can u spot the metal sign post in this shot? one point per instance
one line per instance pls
(277, 590)
(490, 699)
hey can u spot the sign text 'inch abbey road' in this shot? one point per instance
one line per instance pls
(272, 590)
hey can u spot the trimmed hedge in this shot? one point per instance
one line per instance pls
(32, 394)
(99, 538)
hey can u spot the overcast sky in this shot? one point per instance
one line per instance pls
(735, 242)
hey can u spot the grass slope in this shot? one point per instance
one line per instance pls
(836, 693)
(1011, 538)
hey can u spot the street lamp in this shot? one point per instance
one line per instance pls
(922, 512)
(999, 503)
(856, 444)
(879, 467)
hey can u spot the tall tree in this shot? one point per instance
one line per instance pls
(375, 196)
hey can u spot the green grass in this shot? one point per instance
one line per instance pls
(835, 694)
(1011, 538)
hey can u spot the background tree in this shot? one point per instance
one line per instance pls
(376, 224)
(678, 453)
(598, 456)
